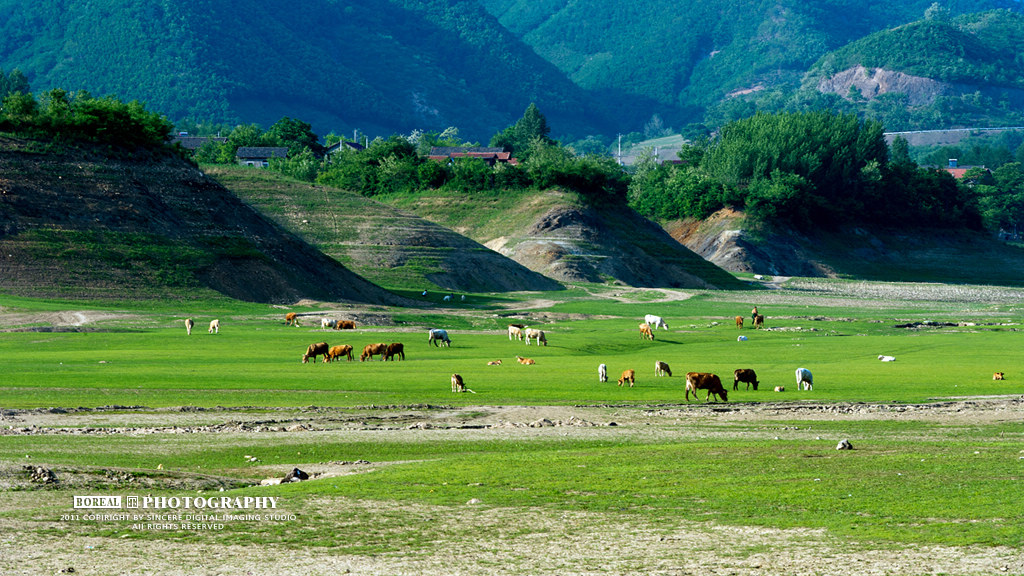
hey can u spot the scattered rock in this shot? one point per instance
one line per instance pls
(41, 474)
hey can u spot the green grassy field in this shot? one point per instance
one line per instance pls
(910, 482)
(146, 359)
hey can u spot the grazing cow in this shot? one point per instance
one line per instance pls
(494, 363)
(537, 335)
(602, 373)
(395, 349)
(628, 376)
(739, 322)
(291, 319)
(998, 376)
(780, 388)
(655, 322)
(804, 378)
(457, 384)
(371, 350)
(705, 381)
(314, 350)
(759, 321)
(885, 358)
(214, 327)
(326, 323)
(646, 332)
(345, 325)
(515, 331)
(437, 335)
(744, 375)
(189, 324)
(338, 352)
(525, 361)
(661, 369)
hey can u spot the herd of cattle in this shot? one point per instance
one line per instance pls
(695, 381)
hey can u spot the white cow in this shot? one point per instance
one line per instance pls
(327, 323)
(214, 327)
(885, 358)
(515, 331)
(189, 323)
(655, 322)
(537, 335)
(602, 373)
(804, 378)
(437, 335)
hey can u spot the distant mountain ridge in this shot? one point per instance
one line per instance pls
(591, 66)
(378, 66)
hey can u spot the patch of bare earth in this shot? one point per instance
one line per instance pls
(475, 538)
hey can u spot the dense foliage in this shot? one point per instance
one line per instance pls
(803, 170)
(399, 164)
(61, 116)
(736, 58)
(382, 66)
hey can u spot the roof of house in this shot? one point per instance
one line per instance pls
(350, 145)
(196, 142)
(465, 150)
(261, 152)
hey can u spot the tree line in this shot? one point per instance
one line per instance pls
(804, 170)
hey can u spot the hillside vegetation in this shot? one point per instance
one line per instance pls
(77, 221)
(376, 66)
(390, 247)
(596, 68)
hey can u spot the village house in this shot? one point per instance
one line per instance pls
(259, 156)
(489, 155)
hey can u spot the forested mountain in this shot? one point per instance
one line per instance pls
(689, 55)
(593, 67)
(377, 65)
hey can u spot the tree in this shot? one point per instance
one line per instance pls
(519, 137)
(296, 135)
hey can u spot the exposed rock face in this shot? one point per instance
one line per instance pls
(874, 82)
(602, 243)
(723, 240)
(920, 91)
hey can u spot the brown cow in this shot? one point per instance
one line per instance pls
(494, 363)
(345, 325)
(339, 351)
(646, 332)
(371, 350)
(314, 350)
(705, 381)
(998, 376)
(744, 375)
(457, 384)
(395, 349)
(759, 321)
(739, 321)
(525, 361)
(661, 369)
(291, 319)
(628, 376)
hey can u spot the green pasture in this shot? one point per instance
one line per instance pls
(908, 481)
(146, 359)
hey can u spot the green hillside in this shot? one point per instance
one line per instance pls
(975, 49)
(694, 54)
(380, 66)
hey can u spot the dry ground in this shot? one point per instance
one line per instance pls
(483, 540)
